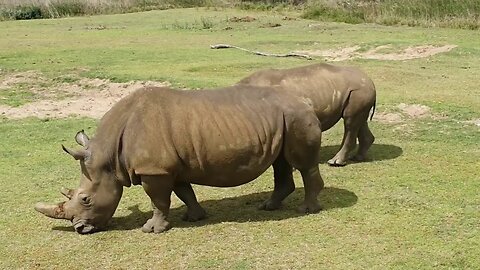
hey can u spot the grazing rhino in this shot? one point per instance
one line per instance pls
(166, 139)
(335, 92)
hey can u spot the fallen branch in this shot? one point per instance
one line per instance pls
(290, 54)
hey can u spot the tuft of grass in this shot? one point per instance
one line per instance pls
(42, 9)
(443, 13)
(17, 96)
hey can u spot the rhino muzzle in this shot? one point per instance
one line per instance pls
(82, 227)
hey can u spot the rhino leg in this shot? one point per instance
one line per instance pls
(365, 140)
(348, 144)
(353, 121)
(159, 189)
(184, 192)
(284, 184)
(313, 184)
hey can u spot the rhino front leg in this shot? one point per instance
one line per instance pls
(313, 183)
(284, 184)
(184, 192)
(159, 189)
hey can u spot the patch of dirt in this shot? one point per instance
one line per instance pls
(392, 118)
(406, 110)
(242, 19)
(474, 122)
(414, 110)
(270, 25)
(87, 97)
(353, 52)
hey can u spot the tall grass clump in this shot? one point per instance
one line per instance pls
(38, 9)
(443, 13)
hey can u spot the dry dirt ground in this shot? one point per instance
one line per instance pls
(94, 97)
(85, 97)
(348, 53)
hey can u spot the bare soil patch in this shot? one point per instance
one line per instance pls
(86, 97)
(406, 111)
(242, 19)
(353, 52)
(475, 122)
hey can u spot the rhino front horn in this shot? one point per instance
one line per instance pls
(51, 210)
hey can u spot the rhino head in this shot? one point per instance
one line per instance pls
(90, 206)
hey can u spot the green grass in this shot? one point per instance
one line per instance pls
(415, 205)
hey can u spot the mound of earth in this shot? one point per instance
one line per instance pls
(406, 110)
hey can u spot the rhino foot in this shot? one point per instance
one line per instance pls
(269, 205)
(194, 215)
(156, 225)
(358, 158)
(309, 207)
(337, 162)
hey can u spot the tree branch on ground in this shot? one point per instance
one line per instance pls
(290, 54)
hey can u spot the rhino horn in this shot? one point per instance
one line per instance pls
(67, 192)
(52, 210)
(78, 155)
(82, 138)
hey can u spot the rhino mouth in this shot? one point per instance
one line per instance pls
(82, 227)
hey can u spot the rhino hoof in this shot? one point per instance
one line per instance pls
(336, 162)
(155, 225)
(193, 216)
(309, 208)
(358, 158)
(269, 205)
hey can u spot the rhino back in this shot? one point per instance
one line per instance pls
(326, 86)
(209, 137)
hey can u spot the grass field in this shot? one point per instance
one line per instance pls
(414, 205)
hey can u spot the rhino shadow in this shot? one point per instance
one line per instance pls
(376, 152)
(239, 209)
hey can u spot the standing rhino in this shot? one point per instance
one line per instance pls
(335, 92)
(165, 139)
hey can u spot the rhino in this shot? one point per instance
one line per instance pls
(335, 92)
(166, 139)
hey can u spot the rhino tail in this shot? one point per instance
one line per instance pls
(373, 110)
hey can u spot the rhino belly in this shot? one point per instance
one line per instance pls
(232, 148)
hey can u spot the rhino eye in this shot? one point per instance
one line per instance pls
(84, 199)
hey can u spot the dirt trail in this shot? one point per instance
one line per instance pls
(348, 53)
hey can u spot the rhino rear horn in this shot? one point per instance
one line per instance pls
(78, 155)
(82, 138)
(67, 192)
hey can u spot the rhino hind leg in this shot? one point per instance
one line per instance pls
(313, 184)
(283, 184)
(184, 192)
(354, 121)
(365, 140)
(159, 189)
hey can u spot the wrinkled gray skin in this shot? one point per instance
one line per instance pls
(165, 139)
(335, 92)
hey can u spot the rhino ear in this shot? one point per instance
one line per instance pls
(78, 155)
(82, 138)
